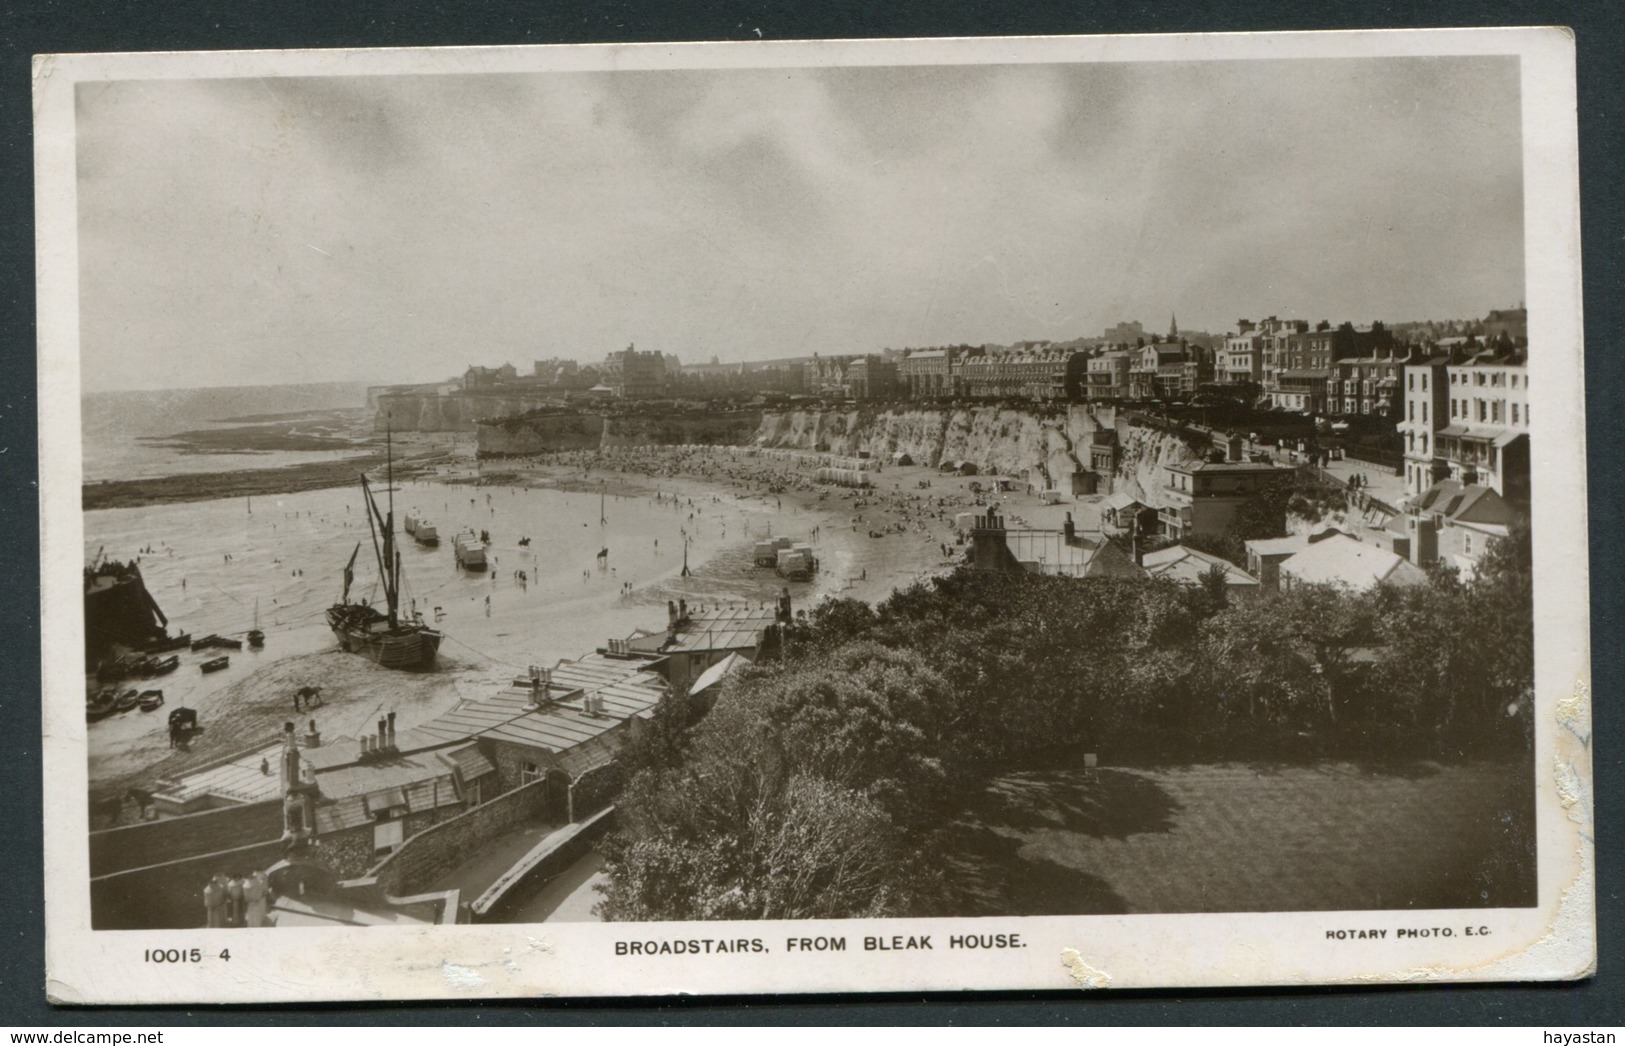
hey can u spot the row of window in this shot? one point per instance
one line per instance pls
(1494, 379)
(1487, 411)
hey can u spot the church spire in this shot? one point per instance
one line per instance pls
(1173, 327)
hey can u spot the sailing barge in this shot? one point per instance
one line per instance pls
(384, 636)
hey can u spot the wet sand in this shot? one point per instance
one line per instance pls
(286, 556)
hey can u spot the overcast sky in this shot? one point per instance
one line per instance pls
(400, 228)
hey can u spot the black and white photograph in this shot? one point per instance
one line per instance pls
(616, 520)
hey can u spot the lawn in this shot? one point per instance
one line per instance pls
(1251, 838)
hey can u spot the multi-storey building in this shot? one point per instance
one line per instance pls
(1155, 371)
(1368, 385)
(1486, 440)
(872, 378)
(829, 374)
(1274, 335)
(1241, 360)
(1039, 374)
(929, 373)
(1206, 495)
(1425, 408)
(477, 377)
(631, 374)
(1108, 375)
(1126, 333)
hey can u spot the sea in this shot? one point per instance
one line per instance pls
(125, 433)
(276, 562)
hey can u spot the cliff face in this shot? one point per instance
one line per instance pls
(550, 433)
(522, 437)
(716, 429)
(1042, 449)
(458, 412)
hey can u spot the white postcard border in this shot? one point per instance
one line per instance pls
(1554, 940)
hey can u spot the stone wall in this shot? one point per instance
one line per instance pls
(169, 896)
(433, 852)
(595, 790)
(551, 857)
(156, 842)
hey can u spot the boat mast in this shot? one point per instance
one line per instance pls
(392, 587)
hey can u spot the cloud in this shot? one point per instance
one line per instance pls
(399, 228)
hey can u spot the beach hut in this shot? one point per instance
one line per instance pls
(966, 468)
(902, 457)
(1052, 497)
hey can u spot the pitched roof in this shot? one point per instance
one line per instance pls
(1464, 504)
(1342, 560)
(1187, 565)
(718, 672)
(735, 627)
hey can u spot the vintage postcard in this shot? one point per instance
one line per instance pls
(809, 517)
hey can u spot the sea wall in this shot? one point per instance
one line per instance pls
(1044, 447)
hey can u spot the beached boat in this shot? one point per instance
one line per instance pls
(119, 611)
(126, 701)
(468, 551)
(384, 636)
(256, 638)
(150, 700)
(165, 665)
(168, 643)
(217, 643)
(215, 664)
(99, 706)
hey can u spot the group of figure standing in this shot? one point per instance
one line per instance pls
(237, 900)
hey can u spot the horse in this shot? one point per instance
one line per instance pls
(307, 696)
(143, 800)
(111, 808)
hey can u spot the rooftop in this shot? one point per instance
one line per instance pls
(1464, 504)
(736, 627)
(1188, 565)
(1223, 467)
(1342, 560)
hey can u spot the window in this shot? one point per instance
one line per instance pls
(1424, 443)
(1483, 415)
(1412, 416)
(1424, 412)
(1514, 414)
(529, 772)
(1424, 381)
(1495, 412)
(1452, 406)
(1410, 382)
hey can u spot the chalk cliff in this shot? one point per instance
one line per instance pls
(1044, 448)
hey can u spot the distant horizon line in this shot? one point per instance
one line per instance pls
(706, 361)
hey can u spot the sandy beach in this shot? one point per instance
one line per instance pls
(225, 564)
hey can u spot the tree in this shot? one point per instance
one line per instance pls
(809, 792)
